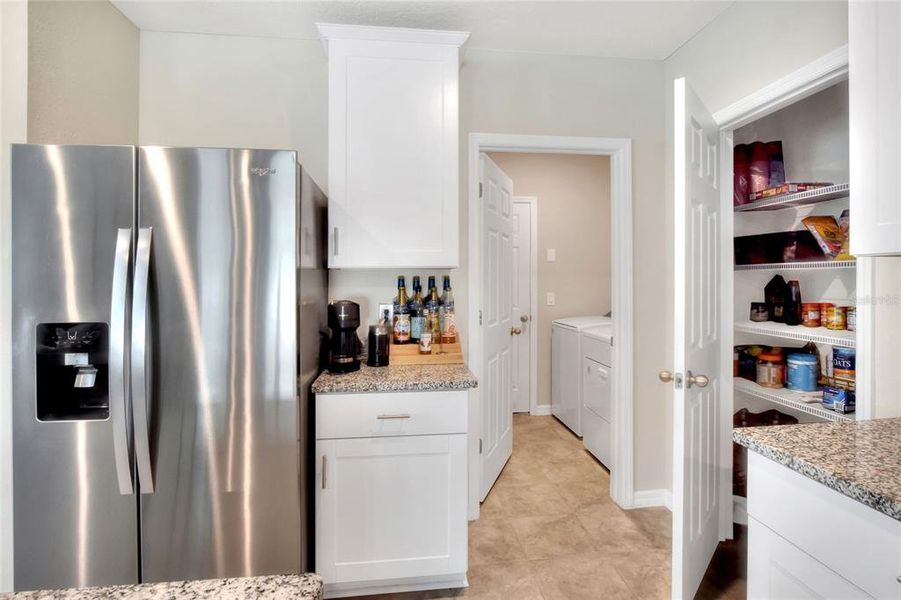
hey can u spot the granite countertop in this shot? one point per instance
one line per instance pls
(273, 587)
(861, 460)
(397, 378)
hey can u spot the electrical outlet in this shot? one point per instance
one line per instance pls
(551, 299)
(552, 255)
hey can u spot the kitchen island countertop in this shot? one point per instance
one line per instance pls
(271, 587)
(860, 459)
(397, 378)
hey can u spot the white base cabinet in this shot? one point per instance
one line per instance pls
(808, 541)
(391, 483)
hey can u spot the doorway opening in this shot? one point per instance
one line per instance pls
(495, 238)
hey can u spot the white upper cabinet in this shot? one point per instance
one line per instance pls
(874, 46)
(393, 146)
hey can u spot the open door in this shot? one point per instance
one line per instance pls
(696, 376)
(496, 191)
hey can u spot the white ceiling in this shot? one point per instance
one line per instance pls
(641, 29)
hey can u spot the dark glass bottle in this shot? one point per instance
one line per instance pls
(402, 324)
(776, 295)
(793, 303)
(433, 307)
(417, 311)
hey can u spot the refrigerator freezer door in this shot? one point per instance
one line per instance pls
(73, 527)
(221, 363)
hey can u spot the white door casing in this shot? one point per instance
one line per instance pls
(522, 303)
(497, 321)
(874, 48)
(697, 341)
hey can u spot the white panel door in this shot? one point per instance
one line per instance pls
(696, 404)
(497, 321)
(874, 46)
(391, 507)
(522, 304)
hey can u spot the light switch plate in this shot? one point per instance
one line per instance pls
(552, 255)
(551, 299)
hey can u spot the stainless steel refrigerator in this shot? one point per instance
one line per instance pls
(167, 310)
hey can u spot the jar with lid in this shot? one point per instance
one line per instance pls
(771, 370)
(810, 314)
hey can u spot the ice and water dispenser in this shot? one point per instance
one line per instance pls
(72, 371)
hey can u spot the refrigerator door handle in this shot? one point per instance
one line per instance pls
(118, 381)
(140, 383)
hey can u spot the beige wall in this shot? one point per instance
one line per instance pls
(563, 95)
(722, 67)
(573, 194)
(82, 74)
(13, 121)
(242, 91)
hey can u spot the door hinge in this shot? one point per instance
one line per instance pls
(480, 189)
(480, 317)
(480, 445)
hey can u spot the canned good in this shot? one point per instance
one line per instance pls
(844, 363)
(836, 318)
(759, 312)
(810, 314)
(824, 306)
(851, 319)
(801, 372)
(770, 370)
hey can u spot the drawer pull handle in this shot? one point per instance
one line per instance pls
(324, 470)
(384, 417)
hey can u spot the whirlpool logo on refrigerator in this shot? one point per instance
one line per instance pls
(262, 171)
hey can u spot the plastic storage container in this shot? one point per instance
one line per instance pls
(801, 372)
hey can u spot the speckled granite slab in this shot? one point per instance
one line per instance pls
(397, 378)
(862, 460)
(275, 587)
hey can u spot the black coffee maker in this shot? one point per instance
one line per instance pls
(343, 320)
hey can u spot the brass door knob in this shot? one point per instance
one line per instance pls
(665, 376)
(515, 331)
(698, 380)
(524, 318)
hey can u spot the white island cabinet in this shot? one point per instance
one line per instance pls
(806, 540)
(393, 146)
(391, 491)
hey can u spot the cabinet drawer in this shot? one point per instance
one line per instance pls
(597, 350)
(858, 543)
(391, 414)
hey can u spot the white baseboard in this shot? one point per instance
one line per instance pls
(541, 410)
(395, 586)
(649, 498)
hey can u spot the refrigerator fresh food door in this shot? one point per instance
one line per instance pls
(75, 511)
(312, 335)
(216, 353)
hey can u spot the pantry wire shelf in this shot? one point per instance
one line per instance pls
(823, 194)
(788, 398)
(820, 335)
(798, 266)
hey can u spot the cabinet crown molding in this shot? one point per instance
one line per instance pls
(337, 31)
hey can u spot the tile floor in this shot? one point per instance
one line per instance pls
(549, 530)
